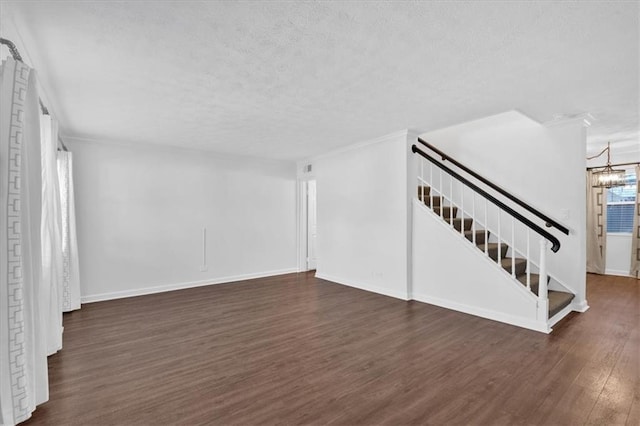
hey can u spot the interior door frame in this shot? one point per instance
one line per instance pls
(311, 267)
(303, 231)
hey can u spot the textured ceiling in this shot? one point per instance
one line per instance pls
(293, 79)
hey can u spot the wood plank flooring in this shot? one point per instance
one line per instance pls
(295, 349)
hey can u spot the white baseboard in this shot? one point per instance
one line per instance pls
(362, 286)
(530, 324)
(180, 286)
(618, 273)
(579, 306)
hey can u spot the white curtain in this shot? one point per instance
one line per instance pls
(635, 235)
(596, 227)
(51, 232)
(71, 271)
(23, 351)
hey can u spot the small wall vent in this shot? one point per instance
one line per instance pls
(308, 168)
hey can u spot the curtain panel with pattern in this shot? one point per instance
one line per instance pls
(23, 341)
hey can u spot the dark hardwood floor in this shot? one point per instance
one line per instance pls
(295, 349)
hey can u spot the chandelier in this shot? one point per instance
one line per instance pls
(607, 176)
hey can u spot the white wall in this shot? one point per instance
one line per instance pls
(544, 166)
(618, 258)
(362, 214)
(141, 211)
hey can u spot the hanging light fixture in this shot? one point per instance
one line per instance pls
(607, 177)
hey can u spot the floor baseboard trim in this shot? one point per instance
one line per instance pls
(484, 313)
(101, 297)
(580, 306)
(366, 287)
(618, 273)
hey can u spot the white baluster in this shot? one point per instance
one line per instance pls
(499, 238)
(451, 200)
(543, 298)
(431, 184)
(462, 207)
(513, 247)
(486, 229)
(422, 178)
(528, 261)
(441, 194)
(473, 214)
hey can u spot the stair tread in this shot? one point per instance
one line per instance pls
(467, 220)
(534, 280)
(425, 189)
(507, 261)
(459, 222)
(520, 265)
(437, 201)
(558, 300)
(446, 210)
(480, 237)
(491, 245)
(492, 250)
(470, 232)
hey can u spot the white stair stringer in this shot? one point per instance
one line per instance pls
(450, 272)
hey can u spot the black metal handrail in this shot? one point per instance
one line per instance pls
(548, 221)
(555, 243)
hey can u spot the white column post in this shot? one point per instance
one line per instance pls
(543, 297)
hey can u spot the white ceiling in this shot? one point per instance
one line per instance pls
(288, 80)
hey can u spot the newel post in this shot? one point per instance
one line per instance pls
(543, 297)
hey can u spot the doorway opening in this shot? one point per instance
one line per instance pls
(307, 225)
(311, 225)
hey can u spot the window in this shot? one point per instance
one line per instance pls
(620, 203)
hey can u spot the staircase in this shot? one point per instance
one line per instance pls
(496, 250)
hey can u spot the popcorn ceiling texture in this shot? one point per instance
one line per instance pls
(287, 80)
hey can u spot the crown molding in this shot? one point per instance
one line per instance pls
(381, 139)
(142, 146)
(584, 118)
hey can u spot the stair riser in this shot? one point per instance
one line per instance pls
(480, 236)
(458, 223)
(426, 189)
(535, 278)
(493, 252)
(437, 201)
(558, 301)
(534, 284)
(446, 211)
(521, 268)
